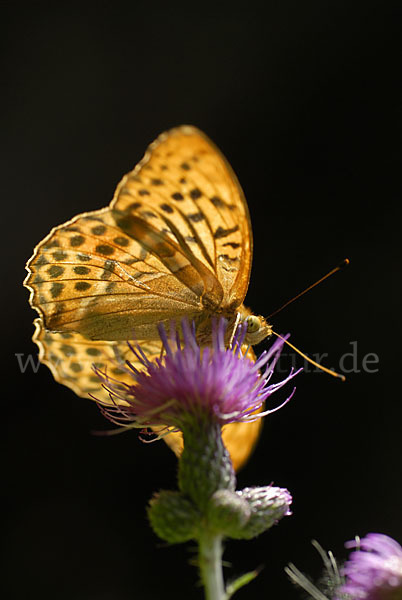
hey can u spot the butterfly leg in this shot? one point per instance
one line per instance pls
(235, 325)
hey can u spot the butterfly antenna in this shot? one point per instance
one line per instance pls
(343, 264)
(310, 360)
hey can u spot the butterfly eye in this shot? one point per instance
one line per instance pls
(253, 324)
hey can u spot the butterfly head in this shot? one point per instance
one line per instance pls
(257, 329)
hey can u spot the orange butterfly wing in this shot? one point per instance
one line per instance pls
(176, 241)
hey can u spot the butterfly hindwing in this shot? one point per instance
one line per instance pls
(71, 358)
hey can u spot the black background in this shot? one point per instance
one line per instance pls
(304, 100)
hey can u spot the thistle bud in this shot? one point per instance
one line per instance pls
(173, 517)
(267, 505)
(228, 513)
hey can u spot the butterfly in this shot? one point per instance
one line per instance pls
(175, 241)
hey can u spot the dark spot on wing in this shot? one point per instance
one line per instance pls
(81, 270)
(121, 241)
(83, 257)
(74, 366)
(105, 249)
(98, 230)
(134, 205)
(41, 261)
(195, 194)
(144, 192)
(156, 181)
(177, 196)
(166, 208)
(67, 350)
(77, 240)
(185, 166)
(231, 244)
(59, 255)
(55, 271)
(221, 232)
(218, 202)
(52, 244)
(56, 289)
(228, 258)
(93, 351)
(81, 286)
(196, 217)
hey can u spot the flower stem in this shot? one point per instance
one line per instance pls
(210, 563)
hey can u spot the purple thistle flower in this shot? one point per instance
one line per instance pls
(374, 570)
(216, 383)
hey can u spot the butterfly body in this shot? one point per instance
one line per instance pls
(175, 242)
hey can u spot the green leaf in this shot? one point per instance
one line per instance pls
(240, 582)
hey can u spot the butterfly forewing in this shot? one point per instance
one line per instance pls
(184, 186)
